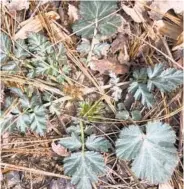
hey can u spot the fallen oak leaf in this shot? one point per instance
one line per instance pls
(106, 66)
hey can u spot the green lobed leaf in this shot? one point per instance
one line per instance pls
(39, 44)
(38, 120)
(136, 115)
(100, 49)
(73, 129)
(96, 143)
(5, 47)
(6, 123)
(165, 80)
(20, 49)
(129, 143)
(10, 66)
(91, 13)
(23, 122)
(154, 153)
(140, 91)
(84, 47)
(72, 143)
(122, 115)
(16, 91)
(84, 168)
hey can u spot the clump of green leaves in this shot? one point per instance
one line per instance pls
(97, 15)
(36, 54)
(153, 153)
(90, 111)
(28, 114)
(48, 60)
(85, 163)
(146, 79)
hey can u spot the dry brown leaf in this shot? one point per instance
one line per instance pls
(120, 44)
(73, 13)
(165, 186)
(34, 25)
(136, 13)
(59, 149)
(180, 42)
(169, 29)
(159, 8)
(105, 66)
(16, 5)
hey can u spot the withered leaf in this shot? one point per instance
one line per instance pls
(33, 25)
(106, 66)
(137, 12)
(159, 8)
(73, 13)
(59, 149)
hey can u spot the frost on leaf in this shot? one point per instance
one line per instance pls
(84, 168)
(154, 154)
(97, 14)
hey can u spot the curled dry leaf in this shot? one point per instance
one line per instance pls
(59, 149)
(169, 29)
(137, 12)
(73, 13)
(180, 42)
(106, 66)
(34, 25)
(159, 8)
(120, 44)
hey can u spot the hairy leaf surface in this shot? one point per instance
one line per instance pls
(140, 91)
(165, 80)
(23, 122)
(21, 49)
(39, 44)
(154, 154)
(96, 143)
(91, 14)
(84, 168)
(72, 143)
(38, 120)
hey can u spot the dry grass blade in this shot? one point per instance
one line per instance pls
(35, 171)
